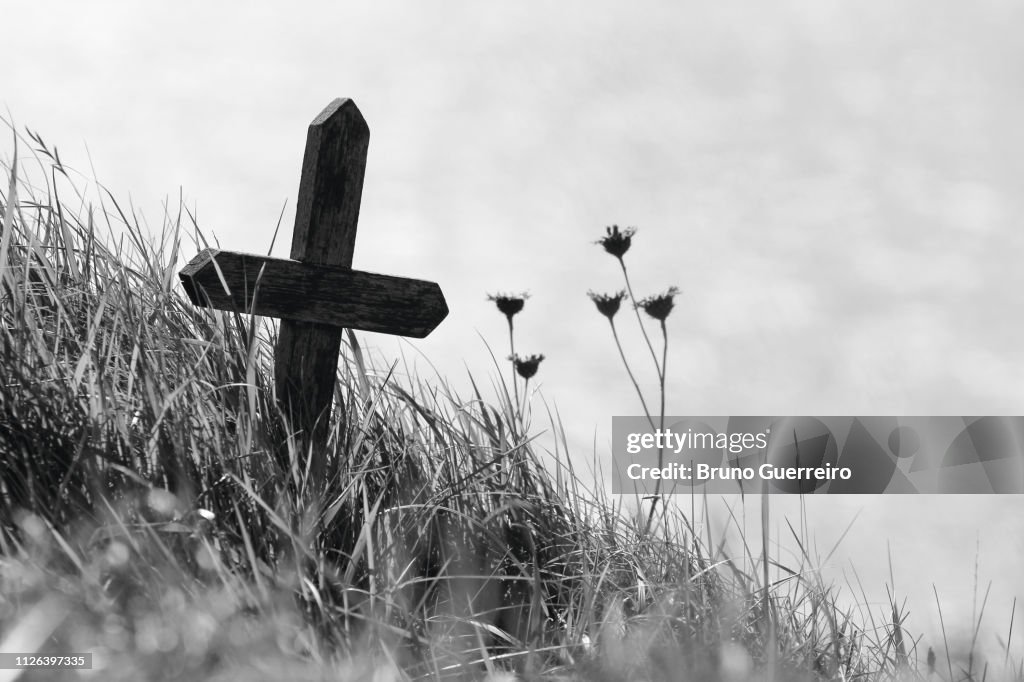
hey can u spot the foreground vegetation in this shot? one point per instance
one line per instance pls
(155, 510)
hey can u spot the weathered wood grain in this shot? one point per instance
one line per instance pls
(291, 290)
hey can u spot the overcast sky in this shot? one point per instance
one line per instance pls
(836, 187)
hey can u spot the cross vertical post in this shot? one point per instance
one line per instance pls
(326, 214)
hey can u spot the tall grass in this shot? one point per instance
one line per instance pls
(155, 510)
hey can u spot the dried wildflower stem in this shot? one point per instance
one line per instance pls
(629, 371)
(512, 362)
(661, 421)
(632, 299)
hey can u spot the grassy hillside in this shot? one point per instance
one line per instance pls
(155, 510)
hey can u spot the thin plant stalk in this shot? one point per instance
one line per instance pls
(512, 360)
(526, 393)
(632, 299)
(629, 371)
(661, 421)
(660, 369)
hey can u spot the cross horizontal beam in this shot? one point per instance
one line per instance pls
(305, 292)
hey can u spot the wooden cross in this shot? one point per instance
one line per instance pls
(316, 293)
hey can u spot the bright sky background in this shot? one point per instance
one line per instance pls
(836, 187)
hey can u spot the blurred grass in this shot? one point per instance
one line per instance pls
(155, 510)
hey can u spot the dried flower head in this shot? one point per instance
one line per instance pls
(615, 242)
(607, 304)
(527, 366)
(509, 304)
(659, 306)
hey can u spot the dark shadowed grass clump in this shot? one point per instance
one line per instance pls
(155, 511)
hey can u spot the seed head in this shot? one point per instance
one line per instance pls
(527, 366)
(509, 304)
(607, 304)
(659, 306)
(615, 242)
